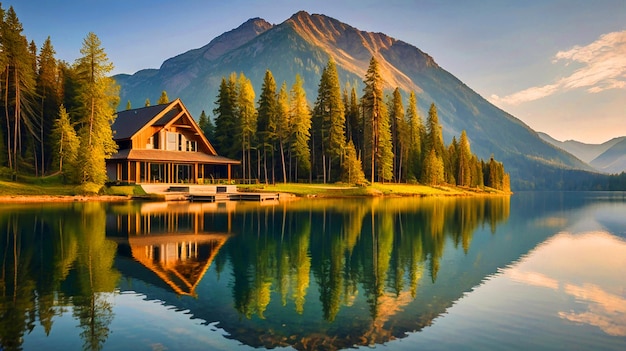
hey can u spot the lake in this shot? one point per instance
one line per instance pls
(540, 271)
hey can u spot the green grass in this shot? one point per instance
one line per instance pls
(54, 185)
(377, 189)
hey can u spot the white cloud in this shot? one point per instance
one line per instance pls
(602, 67)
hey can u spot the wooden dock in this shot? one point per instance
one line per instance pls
(206, 193)
(218, 197)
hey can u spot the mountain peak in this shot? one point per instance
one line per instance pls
(222, 44)
(352, 48)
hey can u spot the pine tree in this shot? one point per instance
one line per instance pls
(226, 118)
(399, 134)
(128, 105)
(353, 115)
(163, 99)
(98, 99)
(20, 87)
(206, 125)
(376, 124)
(266, 120)
(247, 121)
(464, 177)
(330, 114)
(65, 143)
(432, 172)
(385, 148)
(49, 99)
(283, 125)
(416, 131)
(352, 169)
(300, 116)
(434, 135)
(452, 155)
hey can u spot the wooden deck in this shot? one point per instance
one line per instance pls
(206, 193)
(233, 197)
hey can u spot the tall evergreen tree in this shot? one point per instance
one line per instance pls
(283, 125)
(98, 99)
(226, 118)
(247, 121)
(20, 87)
(300, 116)
(434, 134)
(66, 144)
(352, 169)
(206, 125)
(399, 135)
(416, 132)
(354, 124)
(163, 99)
(464, 177)
(266, 119)
(330, 114)
(49, 99)
(128, 105)
(432, 171)
(375, 120)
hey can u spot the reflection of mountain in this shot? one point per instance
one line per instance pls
(302, 277)
(171, 241)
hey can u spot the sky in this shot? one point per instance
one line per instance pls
(557, 65)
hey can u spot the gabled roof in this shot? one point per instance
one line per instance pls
(130, 122)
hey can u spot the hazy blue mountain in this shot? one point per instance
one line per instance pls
(608, 157)
(612, 160)
(303, 44)
(585, 152)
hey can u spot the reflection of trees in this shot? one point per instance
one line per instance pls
(94, 277)
(48, 254)
(381, 247)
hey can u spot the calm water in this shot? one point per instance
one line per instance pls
(537, 271)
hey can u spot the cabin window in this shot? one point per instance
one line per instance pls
(172, 141)
(192, 145)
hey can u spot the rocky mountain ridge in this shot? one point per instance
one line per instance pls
(303, 44)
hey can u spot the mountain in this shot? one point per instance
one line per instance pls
(303, 44)
(608, 157)
(612, 160)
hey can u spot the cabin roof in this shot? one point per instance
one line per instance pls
(129, 122)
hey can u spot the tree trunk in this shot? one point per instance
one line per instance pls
(282, 156)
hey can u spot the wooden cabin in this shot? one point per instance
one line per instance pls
(164, 144)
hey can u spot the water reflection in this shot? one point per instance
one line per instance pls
(323, 274)
(52, 262)
(328, 274)
(578, 266)
(171, 240)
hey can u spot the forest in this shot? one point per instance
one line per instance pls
(57, 116)
(342, 138)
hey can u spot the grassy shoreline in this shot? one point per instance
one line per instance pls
(52, 190)
(377, 189)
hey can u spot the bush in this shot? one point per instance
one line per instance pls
(88, 189)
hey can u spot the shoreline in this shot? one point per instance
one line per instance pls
(62, 198)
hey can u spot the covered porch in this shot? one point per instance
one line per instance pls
(156, 167)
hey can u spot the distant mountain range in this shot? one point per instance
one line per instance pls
(303, 44)
(608, 157)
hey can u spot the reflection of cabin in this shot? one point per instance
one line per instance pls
(171, 242)
(163, 144)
